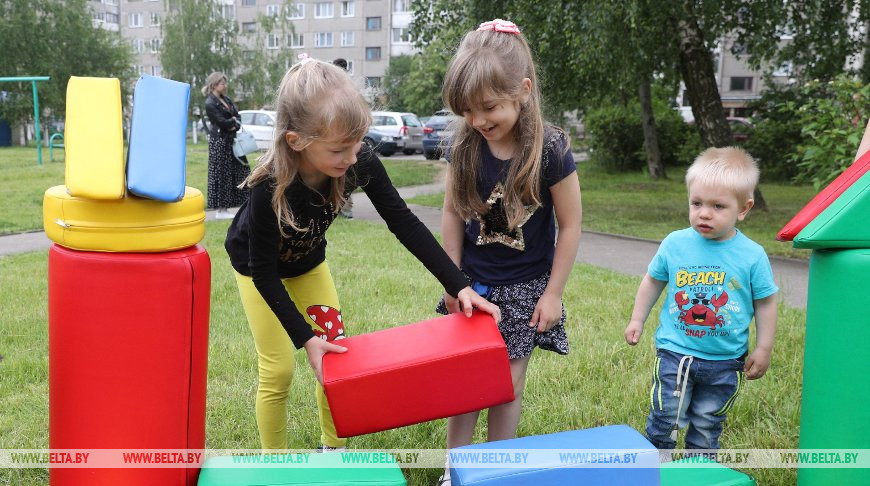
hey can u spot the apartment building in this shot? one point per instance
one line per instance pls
(364, 32)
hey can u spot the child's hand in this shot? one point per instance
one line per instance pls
(757, 363)
(548, 312)
(316, 348)
(468, 299)
(632, 332)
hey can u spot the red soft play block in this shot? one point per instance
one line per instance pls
(824, 198)
(410, 374)
(127, 345)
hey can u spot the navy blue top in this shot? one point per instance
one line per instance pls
(491, 253)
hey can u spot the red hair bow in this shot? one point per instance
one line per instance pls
(500, 25)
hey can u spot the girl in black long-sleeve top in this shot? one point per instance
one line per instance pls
(225, 171)
(277, 240)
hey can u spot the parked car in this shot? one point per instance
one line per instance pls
(741, 128)
(435, 130)
(383, 143)
(399, 124)
(261, 124)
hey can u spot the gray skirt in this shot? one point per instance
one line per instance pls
(517, 303)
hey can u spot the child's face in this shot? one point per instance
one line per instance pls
(714, 210)
(331, 157)
(495, 116)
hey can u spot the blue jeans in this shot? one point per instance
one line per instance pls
(711, 389)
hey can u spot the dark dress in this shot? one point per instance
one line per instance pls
(225, 171)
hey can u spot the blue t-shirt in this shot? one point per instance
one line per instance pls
(494, 255)
(711, 288)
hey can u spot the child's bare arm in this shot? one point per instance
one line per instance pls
(765, 329)
(647, 294)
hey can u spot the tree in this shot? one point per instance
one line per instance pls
(395, 82)
(197, 40)
(54, 38)
(261, 70)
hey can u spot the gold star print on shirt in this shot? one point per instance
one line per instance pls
(494, 224)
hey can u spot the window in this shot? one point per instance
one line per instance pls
(401, 35)
(349, 67)
(155, 19)
(111, 18)
(296, 11)
(155, 71)
(347, 9)
(741, 83)
(135, 19)
(263, 120)
(323, 39)
(784, 69)
(401, 5)
(739, 49)
(323, 10)
(228, 12)
(373, 82)
(295, 41)
(373, 23)
(272, 10)
(155, 45)
(138, 46)
(346, 39)
(249, 27)
(110, 2)
(273, 41)
(373, 53)
(249, 3)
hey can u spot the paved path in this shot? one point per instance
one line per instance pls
(622, 254)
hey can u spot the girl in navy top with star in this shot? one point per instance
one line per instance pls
(511, 178)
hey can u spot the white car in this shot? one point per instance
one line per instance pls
(261, 124)
(398, 124)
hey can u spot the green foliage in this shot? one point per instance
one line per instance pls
(615, 136)
(777, 132)
(197, 40)
(261, 69)
(54, 38)
(832, 119)
(395, 82)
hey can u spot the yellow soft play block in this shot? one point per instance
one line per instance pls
(131, 224)
(94, 138)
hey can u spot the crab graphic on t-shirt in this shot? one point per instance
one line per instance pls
(329, 320)
(700, 314)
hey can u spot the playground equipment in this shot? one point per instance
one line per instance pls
(833, 402)
(129, 291)
(33, 80)
(441, 367)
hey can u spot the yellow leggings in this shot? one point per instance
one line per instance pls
(275, 353)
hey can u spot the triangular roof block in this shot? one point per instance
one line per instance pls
(824, 198)
(843, 224)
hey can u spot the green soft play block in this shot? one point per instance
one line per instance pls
(843, 224)
(328, 469)
(686, 472)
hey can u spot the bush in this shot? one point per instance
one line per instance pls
(809, 133)
(615, 137)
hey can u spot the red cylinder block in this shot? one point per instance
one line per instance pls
(128, 343)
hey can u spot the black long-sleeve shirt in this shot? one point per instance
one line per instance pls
(256, 248)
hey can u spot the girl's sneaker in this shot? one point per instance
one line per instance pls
(444, 480)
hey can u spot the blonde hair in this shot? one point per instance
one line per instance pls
(490, 63)
(213, 80)
(317, 101)
(729, 167)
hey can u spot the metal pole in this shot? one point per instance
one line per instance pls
(36, 123)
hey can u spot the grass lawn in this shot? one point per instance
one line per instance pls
(633, 204)
(602, 381)
(24, 182)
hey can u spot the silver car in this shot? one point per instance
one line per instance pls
(405, 125)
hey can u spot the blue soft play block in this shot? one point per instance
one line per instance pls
(157, 150)
(590, 456)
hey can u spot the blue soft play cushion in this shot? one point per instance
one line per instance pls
(157, 151)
